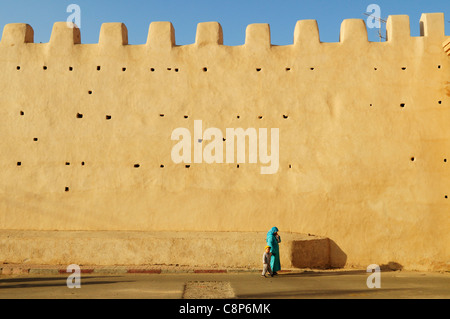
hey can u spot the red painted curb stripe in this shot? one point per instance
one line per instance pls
(83, 271)
(144, 271)
(210, 271)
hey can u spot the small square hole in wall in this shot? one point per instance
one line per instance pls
(108, 117)
(176, 69)
(445, 196)
(137, 165)
(18, 67)
(187, 166)
(402, 105)
(285, 116)
(22, 113)
(66, 189)
(19, 163)
(89, 92)
(79, 116)
(439, 66)
(70, 68)
(413, 159)
(124, 69)
(186, 116)
(161, 115)
(258, 69)
(237, 166)
(445, 160)
(238, 116)
(44, 67)
(35, 139)
(99, 67)
(152, 69)
(161, 166)
(205, 69)
(375, 69)
(439, 102)
(290, 166)
(168, 69)
(67, 163)
(403, 68)
(312, 69)
(82, 163)
(260, 117)
(288, 69)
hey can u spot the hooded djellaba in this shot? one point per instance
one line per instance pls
(273, 239)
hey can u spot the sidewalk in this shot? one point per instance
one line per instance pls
(23, 269)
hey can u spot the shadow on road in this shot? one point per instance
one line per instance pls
(319, 273)
(35, 282)
(391, 266)
(325, 293)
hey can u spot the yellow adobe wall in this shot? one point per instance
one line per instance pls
(364, 135)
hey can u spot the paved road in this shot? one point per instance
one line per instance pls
(336, 284)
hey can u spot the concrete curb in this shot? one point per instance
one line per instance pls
(8, 269)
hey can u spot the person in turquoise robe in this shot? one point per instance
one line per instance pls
(273, 239)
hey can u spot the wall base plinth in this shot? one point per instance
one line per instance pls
(196, 249)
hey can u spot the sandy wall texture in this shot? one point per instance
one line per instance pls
(364, 135)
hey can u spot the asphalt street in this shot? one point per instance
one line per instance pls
(348, 284)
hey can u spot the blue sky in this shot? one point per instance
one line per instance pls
(233, 15)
